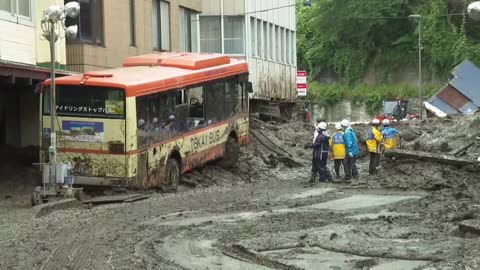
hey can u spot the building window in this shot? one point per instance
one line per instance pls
(271, 54)
(253, 37)
(265, 40)
(161, 25)
(293, 53)
(259, 38)
(288, 46)
(277, 44)
(234, 36)
(132, 23)
(10, 6)
(89, 21)
(282, 43)
(210, 34)
(188, 30)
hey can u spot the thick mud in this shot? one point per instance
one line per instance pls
(264, 215)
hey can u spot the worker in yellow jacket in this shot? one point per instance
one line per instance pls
(374, 146)
(337, 145)
(389, 135)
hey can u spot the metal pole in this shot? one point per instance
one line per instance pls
(53, 108)
(420, 95)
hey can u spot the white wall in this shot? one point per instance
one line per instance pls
(17, 42)
(272, 78)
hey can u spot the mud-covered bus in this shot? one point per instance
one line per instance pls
(143, 125)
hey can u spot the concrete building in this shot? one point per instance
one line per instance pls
(263, 32)
(24, 62)
(110, 30)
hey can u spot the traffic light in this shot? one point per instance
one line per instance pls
(307, 3)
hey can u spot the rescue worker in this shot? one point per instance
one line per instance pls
(374, 146)
(338, 149)
(320, 153)
(314, 165)
(351, 149)
(389, 135)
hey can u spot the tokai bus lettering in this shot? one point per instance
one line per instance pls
(215, 72)
(205, 139)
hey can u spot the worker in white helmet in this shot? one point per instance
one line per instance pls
(321, 149)
(389, 135)
(374, 146)
(315, 134)
(337, 145)
(351, 148)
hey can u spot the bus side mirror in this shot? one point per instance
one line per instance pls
(249, 87)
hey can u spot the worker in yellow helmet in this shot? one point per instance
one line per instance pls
(389, 135)
(338, 149)
(374, 146)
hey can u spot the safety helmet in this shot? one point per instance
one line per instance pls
(375, 122)
(322, 126)
(386, 122)
(345, 123)
(338, 126)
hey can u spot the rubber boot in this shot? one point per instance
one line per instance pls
(312, 178)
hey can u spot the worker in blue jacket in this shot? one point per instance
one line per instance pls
(351, 149)
(321, 149)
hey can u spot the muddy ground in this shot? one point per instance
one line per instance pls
(264, 215)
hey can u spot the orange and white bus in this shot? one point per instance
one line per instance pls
(145, 124)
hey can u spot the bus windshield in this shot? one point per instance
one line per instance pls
(87, 101)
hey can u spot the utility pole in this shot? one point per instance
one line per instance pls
(420, 94)
(54, 17)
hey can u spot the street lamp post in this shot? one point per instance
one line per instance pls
(420, 94)
(54, 18)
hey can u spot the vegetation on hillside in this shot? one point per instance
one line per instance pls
(350, 36)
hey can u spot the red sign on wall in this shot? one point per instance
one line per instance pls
(301, 83)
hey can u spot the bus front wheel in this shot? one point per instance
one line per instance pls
(173, 174)
(232, 153)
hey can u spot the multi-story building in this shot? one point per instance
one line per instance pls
(110, 30)
(263, 32)
(24, 62)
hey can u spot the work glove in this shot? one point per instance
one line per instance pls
(306, 146)
(350, 154)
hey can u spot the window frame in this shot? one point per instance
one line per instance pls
(97, 24)
(133, 34)
(191, 16)
(203, 37)
(241, 39)
(14, 15)
(159, 27)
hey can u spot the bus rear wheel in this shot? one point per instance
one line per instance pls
(173, 174)
(232, 153)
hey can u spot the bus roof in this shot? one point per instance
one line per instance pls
(146, 74)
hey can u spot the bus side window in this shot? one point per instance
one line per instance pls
(231, 98)
(196, 106)
(142, 121)
(215, 102)
(153, 117)
(167, 127)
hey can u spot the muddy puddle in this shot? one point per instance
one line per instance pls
(317, 258)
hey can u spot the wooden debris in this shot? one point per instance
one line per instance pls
(430, 157)
(116, 199)
(463, 150)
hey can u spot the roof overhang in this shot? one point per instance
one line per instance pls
(8, 68)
